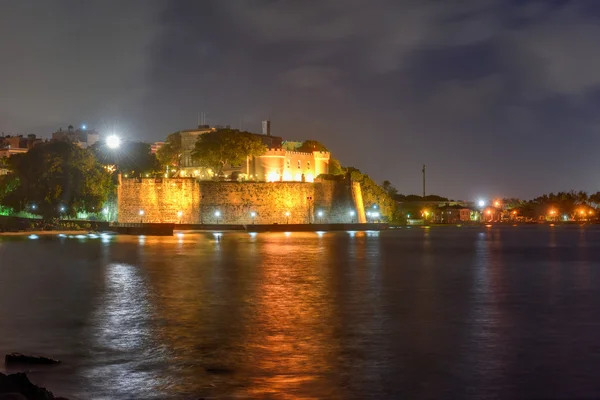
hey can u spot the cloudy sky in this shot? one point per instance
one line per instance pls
(497, 97)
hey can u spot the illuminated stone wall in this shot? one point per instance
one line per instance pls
(162, 200)
(190, 201)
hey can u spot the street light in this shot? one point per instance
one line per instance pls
(352, 213)
(141, 216)
(113, 142)
(481, 203)
(252, 215)
(217, 215)
(179, 215)
(320, 215)
(287, 217)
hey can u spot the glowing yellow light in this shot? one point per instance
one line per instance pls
(591, 212)
(489, 212)
(497, 204)
(582, 212)
(182, 173)
(273, 176)
(287, 176)
(552, 212)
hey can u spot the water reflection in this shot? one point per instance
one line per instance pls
(413, 313)
(122, 336)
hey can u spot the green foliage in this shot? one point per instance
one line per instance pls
(414, 198)
(387, 186)
(54, 175)
(223, 147)
(335, 167)
(373, 194)
(308, 146)
(131, 158)
(170, 153)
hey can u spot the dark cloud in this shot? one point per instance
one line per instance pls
(496, 96)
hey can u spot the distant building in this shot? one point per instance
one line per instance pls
(452, 214)
(17, 144)
(81, 137)
(155, 146)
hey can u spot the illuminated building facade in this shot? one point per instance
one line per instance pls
(280, 163)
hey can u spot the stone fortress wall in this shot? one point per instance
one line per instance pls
(190, 201)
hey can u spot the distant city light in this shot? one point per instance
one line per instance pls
(62, 208)
(179, 213)
(320, 213)
(496, 204)
(33, 206)
(352, 213)
(287, 213)
(141, 212)
(253, 214)
(217, 213)
(84, 127)
(113, 141)
(481, 203)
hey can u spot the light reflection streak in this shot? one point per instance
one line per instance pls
(121, 327)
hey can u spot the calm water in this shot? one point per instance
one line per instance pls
(413, 313)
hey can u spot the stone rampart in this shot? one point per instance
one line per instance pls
(189, 201)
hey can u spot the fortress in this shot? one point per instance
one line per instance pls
(193, 201)
(278, 187)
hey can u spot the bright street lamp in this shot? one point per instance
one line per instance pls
(217, 215)
(481, 203)
(253, 215)
(287, 217)
(113, 142)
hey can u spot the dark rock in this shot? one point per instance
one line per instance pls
(18, 384)
(219, 371)
(18, 358)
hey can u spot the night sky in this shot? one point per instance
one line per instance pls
(497, 97)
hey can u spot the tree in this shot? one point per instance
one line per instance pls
(308, 146)
(170, 153)
(373, 194)
(59, 178)
(131, 157)
(335, 167)
(387, 186)
(223, 147)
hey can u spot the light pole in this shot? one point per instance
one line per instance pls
(252, 215)
(141, 216)
(217, 215)
(179, 215)
(287, 217)
(320, 215)
(352, 214)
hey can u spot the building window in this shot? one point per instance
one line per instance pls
(288, 163)
(308, 165)
(299, 164)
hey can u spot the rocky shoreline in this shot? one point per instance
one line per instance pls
(18, 386)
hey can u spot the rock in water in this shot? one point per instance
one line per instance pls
(13, 385)
(18, 358)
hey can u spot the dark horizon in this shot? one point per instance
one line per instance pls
(498, 98)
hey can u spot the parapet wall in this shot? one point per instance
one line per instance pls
(189, 201)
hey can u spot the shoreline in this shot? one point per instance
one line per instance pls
(46, 233)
